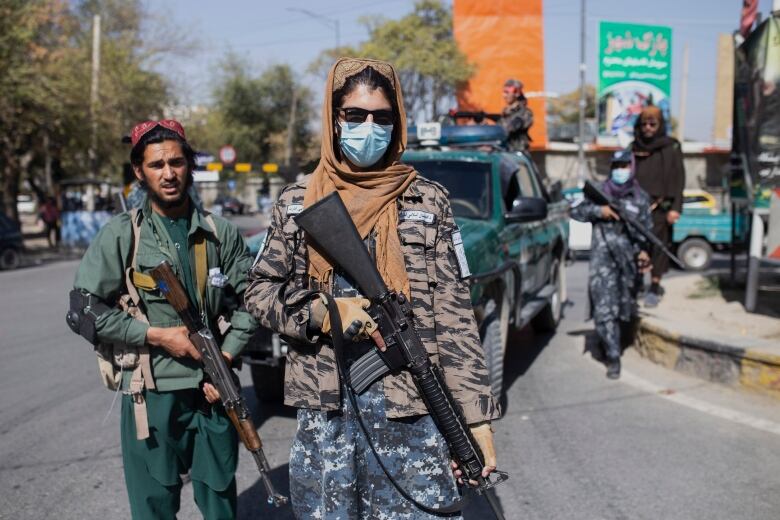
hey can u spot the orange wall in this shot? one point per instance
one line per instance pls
(504, 39)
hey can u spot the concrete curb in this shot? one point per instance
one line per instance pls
(750, 363)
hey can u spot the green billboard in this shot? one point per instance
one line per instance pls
(635, 70)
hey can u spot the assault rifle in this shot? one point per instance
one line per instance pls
(592, 192)
(218, 372)
(329, 225)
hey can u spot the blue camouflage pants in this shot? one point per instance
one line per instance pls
(334, 475)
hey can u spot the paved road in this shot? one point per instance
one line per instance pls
(577, 445)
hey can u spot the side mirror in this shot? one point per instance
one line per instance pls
(527, 209)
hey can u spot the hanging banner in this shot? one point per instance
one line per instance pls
(635, 69)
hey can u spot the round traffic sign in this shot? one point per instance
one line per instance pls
(227, 154)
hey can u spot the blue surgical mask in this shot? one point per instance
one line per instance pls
(621, 175)
(364, 143)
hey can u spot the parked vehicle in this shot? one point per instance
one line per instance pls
(229, 205)
(11, 245)
(515, 236)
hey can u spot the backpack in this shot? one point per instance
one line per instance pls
(116, 358)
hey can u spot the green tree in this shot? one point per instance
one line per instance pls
(45, 73)
(566, 108)
(253, 112)
(423, 51)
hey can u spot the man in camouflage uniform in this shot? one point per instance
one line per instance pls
(333, 473)
(618, 256)
(516, 118)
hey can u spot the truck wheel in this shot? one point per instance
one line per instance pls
(696, 254)
(10, 259)
(268, 382)
(548, 318)
(493, 334)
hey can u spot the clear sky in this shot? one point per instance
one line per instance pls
(266, 32)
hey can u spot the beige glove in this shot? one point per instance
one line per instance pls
(483, 434)
(351, 310)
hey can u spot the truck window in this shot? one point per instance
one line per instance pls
(527, 182)
(467, 182)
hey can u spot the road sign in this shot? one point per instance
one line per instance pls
(227, 154)
(214, 166)
(205, 176)
(243, 167)
(270, 167)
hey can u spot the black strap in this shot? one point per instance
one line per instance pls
(337, 337)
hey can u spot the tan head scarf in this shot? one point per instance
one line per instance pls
(369, 195)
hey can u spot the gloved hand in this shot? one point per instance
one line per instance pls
(355, 321)
(483, 434)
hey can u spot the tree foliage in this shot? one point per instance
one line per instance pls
(45, 78)
(423, 51)
(252, 112)
(566, 108)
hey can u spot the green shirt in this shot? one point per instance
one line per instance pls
(102, 273)
(178, 231)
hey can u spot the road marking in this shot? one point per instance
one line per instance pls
(698, 404)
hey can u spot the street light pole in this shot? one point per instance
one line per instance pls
(330, 22)
(581, 167)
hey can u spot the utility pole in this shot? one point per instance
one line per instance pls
(93, 102)
(581, 165)
(291, 128)
(683, 95)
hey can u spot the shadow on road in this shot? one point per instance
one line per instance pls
(253, 502)
(263, 411)
(524, 346)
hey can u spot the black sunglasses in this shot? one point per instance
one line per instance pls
(359, 115)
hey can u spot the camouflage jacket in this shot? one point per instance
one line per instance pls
(279, 292)
(516, 120)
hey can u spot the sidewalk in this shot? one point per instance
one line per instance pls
(704, 331)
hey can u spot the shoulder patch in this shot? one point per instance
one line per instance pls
(415, 215)
(460, 254)
(294, 209)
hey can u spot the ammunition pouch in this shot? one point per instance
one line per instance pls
(84, 311)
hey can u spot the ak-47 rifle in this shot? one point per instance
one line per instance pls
(329, 225)
(592, 192)
(218, 372)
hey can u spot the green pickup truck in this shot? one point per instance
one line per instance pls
(515, 231)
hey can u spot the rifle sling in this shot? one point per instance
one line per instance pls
(337, 337)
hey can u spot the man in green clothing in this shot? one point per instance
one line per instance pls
(172, 423)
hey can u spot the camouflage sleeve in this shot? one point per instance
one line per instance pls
(274, 295)
(585, 211)
(520, 119)
(460, 352)
(235, 263)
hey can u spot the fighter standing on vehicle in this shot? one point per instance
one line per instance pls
(661, 173)
(516, 118)
(618, 256)
(169, 426)
(408, 227)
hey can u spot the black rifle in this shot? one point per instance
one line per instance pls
(600, 198)
(218, 372)
(329, 225)
(477, 116)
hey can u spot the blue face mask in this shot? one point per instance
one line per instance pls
(364, 143)
(621, 175)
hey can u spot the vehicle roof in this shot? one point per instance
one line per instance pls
(458, 154)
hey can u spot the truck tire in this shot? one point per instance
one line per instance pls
(268, 382)
(548, 318)
(10, 258)
(696, 254)
(493, 334)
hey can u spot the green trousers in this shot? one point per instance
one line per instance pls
(184, 436)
